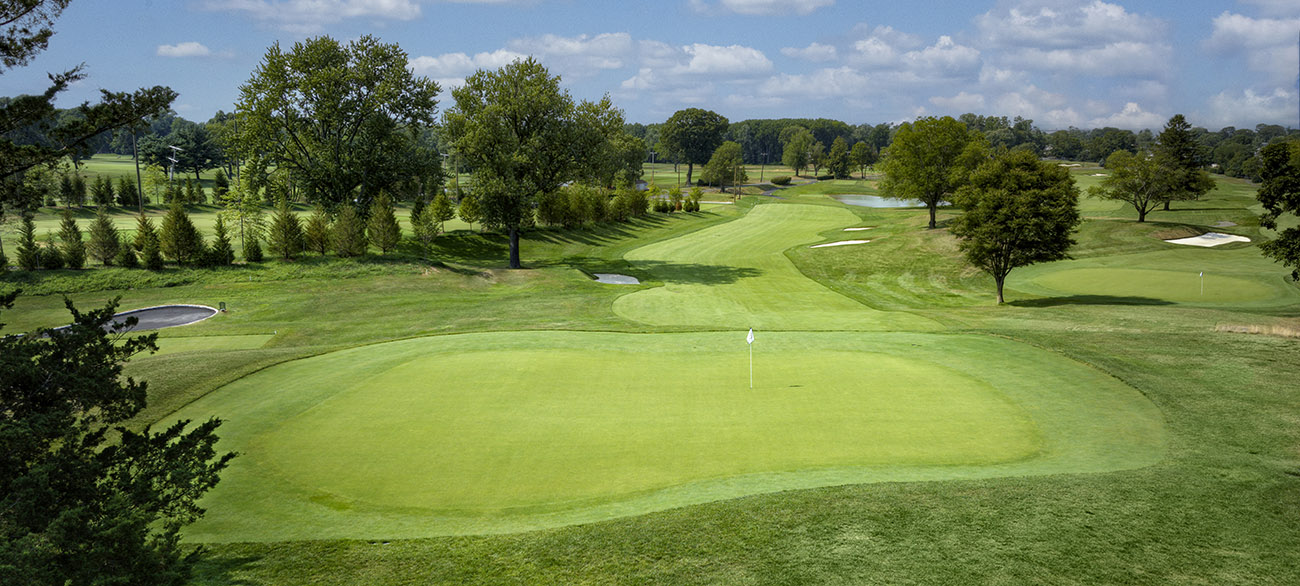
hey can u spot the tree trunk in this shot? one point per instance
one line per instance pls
(1142, 215)
(1166, 205)
(514, 248)
(1000, 281)
(933, 209)
(690, 168)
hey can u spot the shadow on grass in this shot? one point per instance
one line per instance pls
(1088, 300)
(213, 570)
(654, 270)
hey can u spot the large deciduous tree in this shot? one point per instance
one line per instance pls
(1017, 211)
(25, 31)
(798, 149)
(77, 507)
(726, 166)
(523, 136)
(1142, 181)
(1280, 194)
(930, 159)
(342, 120)
(695, 133)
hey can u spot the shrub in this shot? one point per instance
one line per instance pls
(781, 180)
(152, 255)
(825, 177)
(382, 228)
(285, 235)
(222, 252)
(179, 239)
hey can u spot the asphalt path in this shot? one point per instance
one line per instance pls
(166, 316)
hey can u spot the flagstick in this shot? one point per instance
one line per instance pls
(751, 366)
(1202, 283)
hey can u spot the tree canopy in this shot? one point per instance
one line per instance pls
(342, 120)
(695, 133)
(1142, 180)
(1280, 194)
(929, 159)
(1017, 211)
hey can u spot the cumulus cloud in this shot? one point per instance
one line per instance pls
(837, 82)
(1267, 44)
(1131, 117)
(815, 52)
(577, 56)
(1122, 59)
(1249, 108)
(763, 7)
(451, 69)
(311, 15)
(665, 67)
(1276, 7)
(186, 49)
(962, 102)
(944, 57)
(1063, 24)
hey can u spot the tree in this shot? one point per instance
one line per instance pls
(126, 193)
(1180, 151)
(837, 161)
(223, 250)
(695, 133)
(25, 31)
(84, 499)
(1280, 194)
(797, 150)
(349, 234)
(245, 207)
(725, 167)
(523, 136)
(1017, 211)
(317, 232)
(441, 210)
(74, 248)
(340, 118)
(1141, 180)
(29, 252)
(382, 229)
(817, 157)
(862, 156)
(104, 240)
(220, 185)
(929, 159)
(469, 210)
(179, 239)
(285, 237)
(253, 251)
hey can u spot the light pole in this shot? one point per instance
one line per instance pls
(762, 167)
(652, 166)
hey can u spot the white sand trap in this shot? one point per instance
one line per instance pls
(1068, 165)
(615, 279)
(1100, 175)
(721, 203)
(857, 229)
(840, 243)
(1210, 239)
(1224, 224)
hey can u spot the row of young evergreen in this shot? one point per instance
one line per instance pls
(75, 191)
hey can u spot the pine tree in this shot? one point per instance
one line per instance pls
(349, 234)
(417, 208)
(104, 240)
(103, 191)
(382, 228)
(220, 185)
(78, 190)
(442, 210)
(317, 232)
(51, 258)
(74, 247)
(126, 257)
(470, 210)
(66, 190)
(285, 237)
(144, 232)
(253, 249)
(152, 255)
(426, 228)
(223, 251)
(193, 193)
(179, 239)
(29, 252)
(126, 194)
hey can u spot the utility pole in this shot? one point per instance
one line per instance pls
(762, 167)
(652, 166)
(139, 185)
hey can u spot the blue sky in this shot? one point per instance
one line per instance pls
(1062, 63)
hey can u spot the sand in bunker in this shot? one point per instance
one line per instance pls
(857, 229)
(840, 243)
(1209, 239)
(616, 279)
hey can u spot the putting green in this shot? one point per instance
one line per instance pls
(736, 275)
(510, 431)
(1156, 284)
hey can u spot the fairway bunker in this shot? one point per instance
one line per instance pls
(858, 229)
(616, 279)
(840, 243)
(1209, 239)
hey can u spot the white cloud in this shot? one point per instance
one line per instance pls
(1249, 108)
(186, 49)
(578, 56)
(838, 82)
(311, 15)
(451, 69)
(1065, 24)
(815, 52)
(882, 47)
(1267, 44)
(765, 7)
(1132, 117)
(962, 102)
(945, 57)
(732, 61)
(1122, 59)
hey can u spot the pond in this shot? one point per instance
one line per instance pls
(875, 201)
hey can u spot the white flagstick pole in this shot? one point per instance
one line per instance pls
(750, 340)
(1202, 283)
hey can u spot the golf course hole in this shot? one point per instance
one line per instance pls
(1209, 239)
(840, 243)
(616, 279)
(516, 430)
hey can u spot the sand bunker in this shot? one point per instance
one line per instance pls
(857, 229)
(1224, 224)
(720, 203)
(1209, 239)
(615, 279)
(840, 243)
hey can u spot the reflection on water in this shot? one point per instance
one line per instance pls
(875, 201)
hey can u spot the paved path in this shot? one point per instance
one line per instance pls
(166, 316)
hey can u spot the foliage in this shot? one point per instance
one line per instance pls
(425, 226)
(1017, 211)
(77, 507)
(144, 231)
(797, 150)
(862, 156)
(104, 239)
(781, 180)
(253, 248)
(1280, 194)
(442, 210)
(348, 235)
(382, 230)
(469, 210)
(222, 252)
(929, 160)
(1143, 181)
(726, 167)
(51, 255)
(29, 252)
(73, 246)
(242, 205)
(1178, 150)
(126, 257)
(837, 160)
(695, 134)
(316, 235)
(126, 192)
(178, 239)
(284, 236)
(340, 117)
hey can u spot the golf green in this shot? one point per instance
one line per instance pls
(509, 431)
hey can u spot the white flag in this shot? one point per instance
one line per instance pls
(750, 338)
(1202, 273)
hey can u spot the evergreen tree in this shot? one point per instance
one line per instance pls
(253, 249)
(126, 257)
(51, 257)
(78, 190)
(29, 252)
(66, 190)
(349, 233)
(417, 208)
(144, 232)
(220, 185)
(382, 229)
(126, 193)
(285, 237)
(179, 239)
(104, 240)
(4, 261)
(193, 192)
(426, 229)
(470, 211)
(442, 210)
(74, 247)
(102, 192)
(317, 232)
(152, 254)
(223, 251)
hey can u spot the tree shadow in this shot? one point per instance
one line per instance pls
(1088, 300)
(215, 570)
